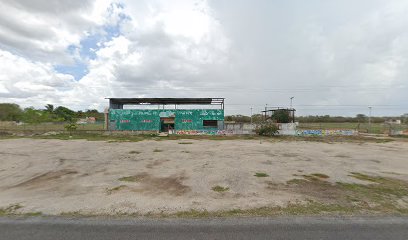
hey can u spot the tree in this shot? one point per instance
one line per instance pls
(404, 118)
(10, 112)
(32, 115)
(281, 116)
(257, 118)
(238, 118)
(64, 113)
(49, 108)
(361, 117)
(70, 128)
(94, 113)
(267, 129)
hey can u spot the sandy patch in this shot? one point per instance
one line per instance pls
(55, 176)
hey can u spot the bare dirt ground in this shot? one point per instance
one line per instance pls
(98, 177)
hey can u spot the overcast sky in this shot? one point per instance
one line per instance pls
(333, 57)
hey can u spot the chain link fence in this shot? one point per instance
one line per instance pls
(374, 128)
(16, 127)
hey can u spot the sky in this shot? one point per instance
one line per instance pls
(335, 57)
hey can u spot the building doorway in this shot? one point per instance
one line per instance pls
(166, 124)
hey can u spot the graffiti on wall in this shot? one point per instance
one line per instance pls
(149, 119)
(185, 113)
(330, 132)
(213, 112)
(399, 132)
(165, 114)
(203, 132)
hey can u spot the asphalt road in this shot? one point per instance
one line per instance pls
(234, 228)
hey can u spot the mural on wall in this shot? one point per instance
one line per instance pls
(149, 119)
(211, 112)
(330, 132)
(167, 114)
(399, 132)
(130, 119)
(203, 132)
(187, 120)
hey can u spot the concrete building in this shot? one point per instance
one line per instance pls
(166, 115)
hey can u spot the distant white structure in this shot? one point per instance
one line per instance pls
(393, 121)
(86, 120)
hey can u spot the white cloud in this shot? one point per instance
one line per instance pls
(252, 53)
(321, 53)
(43, 30)
(30, 83)
(148, 59)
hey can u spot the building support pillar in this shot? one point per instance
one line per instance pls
(106, 114)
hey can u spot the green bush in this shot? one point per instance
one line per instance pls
(281, 116)
(70, 128)
(10, 112)
(267, 129)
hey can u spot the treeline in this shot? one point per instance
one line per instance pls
(359, 118)
(13, 112)
(256, 118)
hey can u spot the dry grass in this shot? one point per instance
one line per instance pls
(234, 165)
(11, 210)
(379, 195)
(310, 208)
(130, 179)
(115, 189)
(152, 185)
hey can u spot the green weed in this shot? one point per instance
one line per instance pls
(220, 188)
(134, 152)
(260, 174)
(130, 179)
(114, 189)
(320, 175)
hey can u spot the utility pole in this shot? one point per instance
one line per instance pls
(266, 109)
(291, 99)
(251, 115)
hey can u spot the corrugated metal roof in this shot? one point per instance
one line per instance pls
(165, 101)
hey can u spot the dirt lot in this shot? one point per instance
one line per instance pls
(165, 177)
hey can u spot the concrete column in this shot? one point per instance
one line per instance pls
(106, 114)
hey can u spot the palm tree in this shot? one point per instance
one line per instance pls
(49, 108)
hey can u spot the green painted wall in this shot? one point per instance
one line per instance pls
(129, 119)
(149, 120)
(193, 119)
